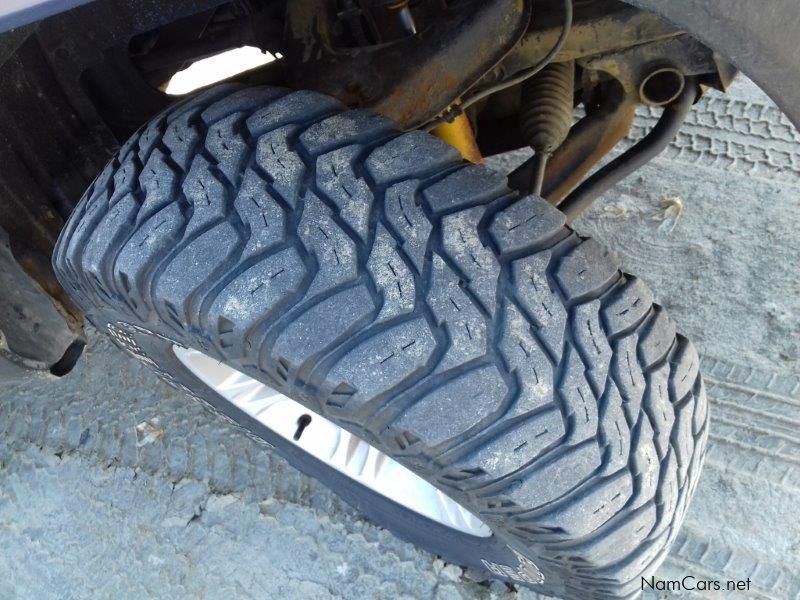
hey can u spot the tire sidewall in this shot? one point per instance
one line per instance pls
(490, 554)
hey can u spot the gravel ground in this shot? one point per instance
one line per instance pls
(185, 506)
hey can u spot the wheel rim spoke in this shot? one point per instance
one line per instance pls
(329, 443)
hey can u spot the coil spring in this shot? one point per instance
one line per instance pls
(546, 106)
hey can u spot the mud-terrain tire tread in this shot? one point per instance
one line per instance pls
(415, 300)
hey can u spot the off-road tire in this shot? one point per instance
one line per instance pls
(416, 301)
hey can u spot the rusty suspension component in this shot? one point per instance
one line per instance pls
(606, 123)
(635, 157)
(546, 114)
(392, 18)
(613, 86)
(410, 80)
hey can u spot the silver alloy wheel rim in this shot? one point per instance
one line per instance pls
(329, 443)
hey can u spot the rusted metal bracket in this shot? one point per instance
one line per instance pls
(590, 139)
(411, 80)
(632, 66)
(597, 30)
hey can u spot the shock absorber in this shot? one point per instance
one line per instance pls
(546, 114)
(392, 19)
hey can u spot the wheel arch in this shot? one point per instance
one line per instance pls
(758, 40)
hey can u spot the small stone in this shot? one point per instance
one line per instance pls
(438, 565)
(217, 503)
(148, 432)
(451, 573)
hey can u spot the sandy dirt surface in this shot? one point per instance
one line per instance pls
(91, 506)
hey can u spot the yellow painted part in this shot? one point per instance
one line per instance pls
(459, 135)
